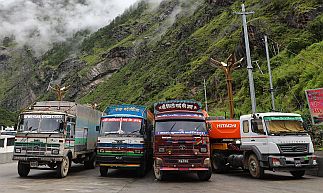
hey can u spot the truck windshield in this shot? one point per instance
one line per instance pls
(281, 125)
(41, 122)
(180, 126)
(121, 126)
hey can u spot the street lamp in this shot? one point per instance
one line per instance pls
(228, 68)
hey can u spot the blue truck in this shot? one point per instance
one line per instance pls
(125, 139)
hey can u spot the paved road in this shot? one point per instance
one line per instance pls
(80, 180)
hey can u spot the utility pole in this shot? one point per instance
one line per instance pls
(228, 69)
(249, 67)
(270, 76)
(205, 96)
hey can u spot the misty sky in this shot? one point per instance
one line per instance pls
(38, 23)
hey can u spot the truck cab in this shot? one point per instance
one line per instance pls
(55, 133)
(276, 141)
(125, 139)
(181, 141)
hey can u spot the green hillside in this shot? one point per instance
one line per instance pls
(150, 54)
(172, 60)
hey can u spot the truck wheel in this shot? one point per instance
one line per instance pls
(254, 167)
(104, 171)
(91, 163)
(23, 169)
(159, 175)
(63, 167)
(204, 175)
(218, 163)
(298, 173)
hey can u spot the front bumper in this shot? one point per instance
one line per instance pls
(120, 161)
(289, 163)
(176, 164)
(38, 158)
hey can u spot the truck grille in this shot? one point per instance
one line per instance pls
(293, 148)
(180, 148)
(35, 149)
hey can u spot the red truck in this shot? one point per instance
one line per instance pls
(181, 141)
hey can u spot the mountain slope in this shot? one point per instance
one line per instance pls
(157, 53)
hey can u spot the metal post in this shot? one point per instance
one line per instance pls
(249, 67)
(228, 68)
(270, 75)
(205, 96)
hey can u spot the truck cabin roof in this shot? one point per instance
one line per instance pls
(180, 115)
(270, 114)
(126, 110)
(123, 116)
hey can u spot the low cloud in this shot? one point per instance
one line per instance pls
(38, 24)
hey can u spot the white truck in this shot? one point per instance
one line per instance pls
(55, 133)
(263, 141)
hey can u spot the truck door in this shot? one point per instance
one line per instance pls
(258, 135)
(70, 131)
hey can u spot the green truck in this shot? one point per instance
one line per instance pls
(53, 134)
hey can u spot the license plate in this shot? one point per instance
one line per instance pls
(183, 161)
(34, 164)
(298, 163)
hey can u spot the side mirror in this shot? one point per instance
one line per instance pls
(97, 128)
(61, 126)
(208, 126)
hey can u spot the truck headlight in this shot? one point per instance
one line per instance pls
(238, 142)
(55, 151)
(203, 150)
(158, 161)
(161, 150)
(207, 162)
(17, 150)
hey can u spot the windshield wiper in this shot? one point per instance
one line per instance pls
(110, 132)
(30, 129)
(55, 130)
(135, 131)
(172, 127)
(197, 128)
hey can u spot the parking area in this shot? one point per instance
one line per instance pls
(119, 181)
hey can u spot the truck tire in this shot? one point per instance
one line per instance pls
(159, 175)
(63, 167)
(104, 171)
(218, 163)
(204, 175)
(91, 163)
(298, 173)
(23, 169)
(254, 167)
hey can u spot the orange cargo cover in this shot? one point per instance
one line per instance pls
(224, 129)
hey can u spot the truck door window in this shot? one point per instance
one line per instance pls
(10, 141)
(1, 142)
(246, 126)
(257, 126)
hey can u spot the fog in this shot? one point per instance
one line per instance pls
(39, 23)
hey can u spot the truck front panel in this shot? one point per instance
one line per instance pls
(120, 151)
(39, 147)
(182, 152)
